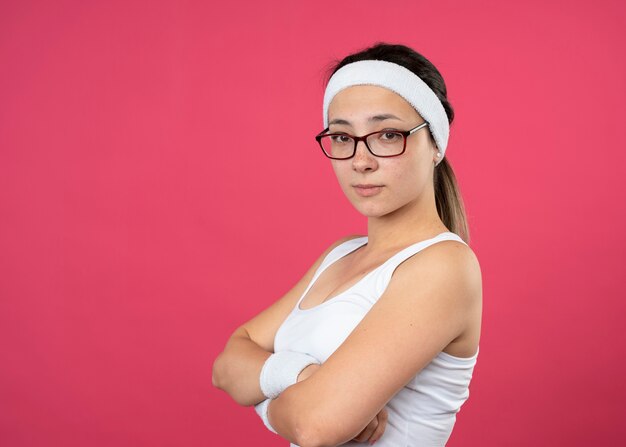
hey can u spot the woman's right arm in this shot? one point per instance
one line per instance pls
(237, 369)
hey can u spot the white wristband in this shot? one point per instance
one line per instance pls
(281, 370)
(261, 410)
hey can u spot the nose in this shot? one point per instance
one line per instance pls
(363, 159)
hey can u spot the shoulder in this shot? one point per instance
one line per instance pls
(449, 255)
(343, 240)
(336, 244)
(439, 290)
(455, 252)
(448, 266)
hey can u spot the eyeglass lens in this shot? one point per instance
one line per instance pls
(384, 143)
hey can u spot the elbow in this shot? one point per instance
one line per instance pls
(298, 417)
(306, 442)
(216, 375)
(306, 437)
(219, 378)
(314, 439)
(309, 418)
(214, 380)
(317, 431)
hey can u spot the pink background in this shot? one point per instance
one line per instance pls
(160, 185)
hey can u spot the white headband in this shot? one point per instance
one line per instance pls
(399, 80)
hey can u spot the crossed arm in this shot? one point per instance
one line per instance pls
(424, 308)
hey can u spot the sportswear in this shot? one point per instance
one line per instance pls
(423, 412)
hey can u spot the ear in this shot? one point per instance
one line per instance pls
(433, 143)
(436, 157)
(436, 151)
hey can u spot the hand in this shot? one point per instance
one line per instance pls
(307, 372)
(375, 429)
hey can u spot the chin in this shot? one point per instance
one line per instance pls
(371, 209)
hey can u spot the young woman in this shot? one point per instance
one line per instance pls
(378, 340)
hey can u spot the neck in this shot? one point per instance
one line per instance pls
(412, 223)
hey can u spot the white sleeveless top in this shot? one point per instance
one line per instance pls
(423, 412)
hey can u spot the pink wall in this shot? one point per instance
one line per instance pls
(160, 185)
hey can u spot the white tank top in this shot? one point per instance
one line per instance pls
(423, 412)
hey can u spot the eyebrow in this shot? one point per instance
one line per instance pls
(375, 118)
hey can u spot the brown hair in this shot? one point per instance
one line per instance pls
(447, 194)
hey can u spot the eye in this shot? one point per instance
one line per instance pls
(390, 137)
(340, 139)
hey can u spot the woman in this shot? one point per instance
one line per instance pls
(379, 339)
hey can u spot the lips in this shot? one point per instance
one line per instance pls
(367, 190)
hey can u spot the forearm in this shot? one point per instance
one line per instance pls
(286, 414)
(303, 416)
(237, 370)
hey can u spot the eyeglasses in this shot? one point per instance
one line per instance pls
(383, 143)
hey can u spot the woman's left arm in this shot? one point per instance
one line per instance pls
(426, 306)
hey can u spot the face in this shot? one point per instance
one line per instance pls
(402, 181)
